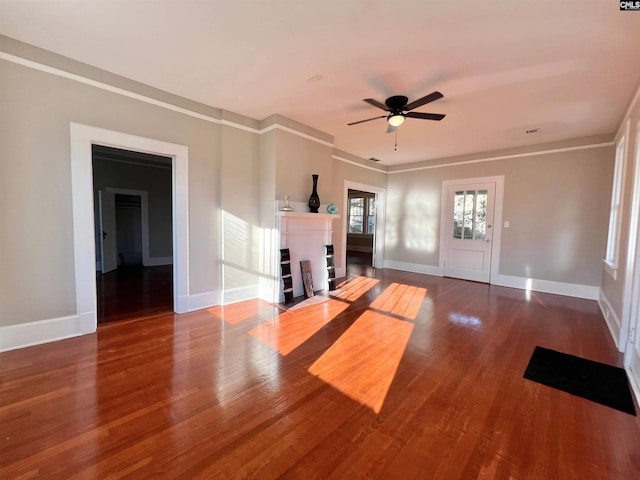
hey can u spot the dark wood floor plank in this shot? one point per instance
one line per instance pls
(252, 390)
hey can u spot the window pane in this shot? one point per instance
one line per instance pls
(458, 214)
(371, 215)
(480, 224)
(371, 224)
(468, 214)
(356, 214)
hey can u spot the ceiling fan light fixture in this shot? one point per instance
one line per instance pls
(395, 120)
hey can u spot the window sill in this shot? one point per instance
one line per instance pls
(611, 268)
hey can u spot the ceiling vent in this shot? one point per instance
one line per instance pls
(374, 159)
(532, 131)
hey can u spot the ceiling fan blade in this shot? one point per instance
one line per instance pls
(376, 103)
(432, 97)
(425, 116)
(367, 120)
(391, 128)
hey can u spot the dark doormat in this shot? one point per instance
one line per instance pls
(595, 381)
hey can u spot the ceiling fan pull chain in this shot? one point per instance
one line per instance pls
(395, 147)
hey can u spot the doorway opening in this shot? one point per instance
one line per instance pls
(134, 233)
(362, 218)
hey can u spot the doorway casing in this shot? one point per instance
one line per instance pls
(378, 242)
(82, 138)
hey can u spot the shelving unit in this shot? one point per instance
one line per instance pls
(331, 269)
(285, 274)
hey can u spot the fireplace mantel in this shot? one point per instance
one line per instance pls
(316, 216)
(305, 234)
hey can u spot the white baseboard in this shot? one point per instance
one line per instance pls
(413, 267)
(547, 286)
(157, 261)
(44, 331)
(199, 301)
(635, 388)
(611, 319)
(234, 295)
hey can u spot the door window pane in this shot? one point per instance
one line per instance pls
(458, 214)
(480, 223)
(468, 214)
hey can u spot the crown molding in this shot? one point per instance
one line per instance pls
(505, 157)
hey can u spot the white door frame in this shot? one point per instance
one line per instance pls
(381, 194)
(630, 321)
(82, 138)
(497, 220)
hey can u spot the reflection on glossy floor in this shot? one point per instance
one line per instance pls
(134, 292)
(401, 376)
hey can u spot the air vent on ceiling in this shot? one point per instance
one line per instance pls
(532, 131)
(374, 159)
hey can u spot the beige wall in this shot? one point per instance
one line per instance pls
(240, 212)
(36, 249)
(557, 206)
(297, 159)
(557, 203)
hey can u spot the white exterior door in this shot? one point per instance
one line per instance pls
(469, 231)
(108, 246)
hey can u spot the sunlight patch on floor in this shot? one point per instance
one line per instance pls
(401, 300)
(238, 312)
(292, 328)
(363, 361)
(353, 289)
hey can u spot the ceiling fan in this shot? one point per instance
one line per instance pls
(399, 109)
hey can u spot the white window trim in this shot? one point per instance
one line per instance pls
(611, 261)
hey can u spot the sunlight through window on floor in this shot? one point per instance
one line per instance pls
(363, 362)
(353, 289)
(292, 328)
(401, 300)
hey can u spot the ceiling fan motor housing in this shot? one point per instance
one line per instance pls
(396, 103)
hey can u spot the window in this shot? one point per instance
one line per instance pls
(470, 215)
(362, 213)
(356, 214)
(613, 242)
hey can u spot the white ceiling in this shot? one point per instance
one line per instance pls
(504, 66)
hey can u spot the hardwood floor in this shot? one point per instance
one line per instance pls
(134, 292)
(397, 376)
